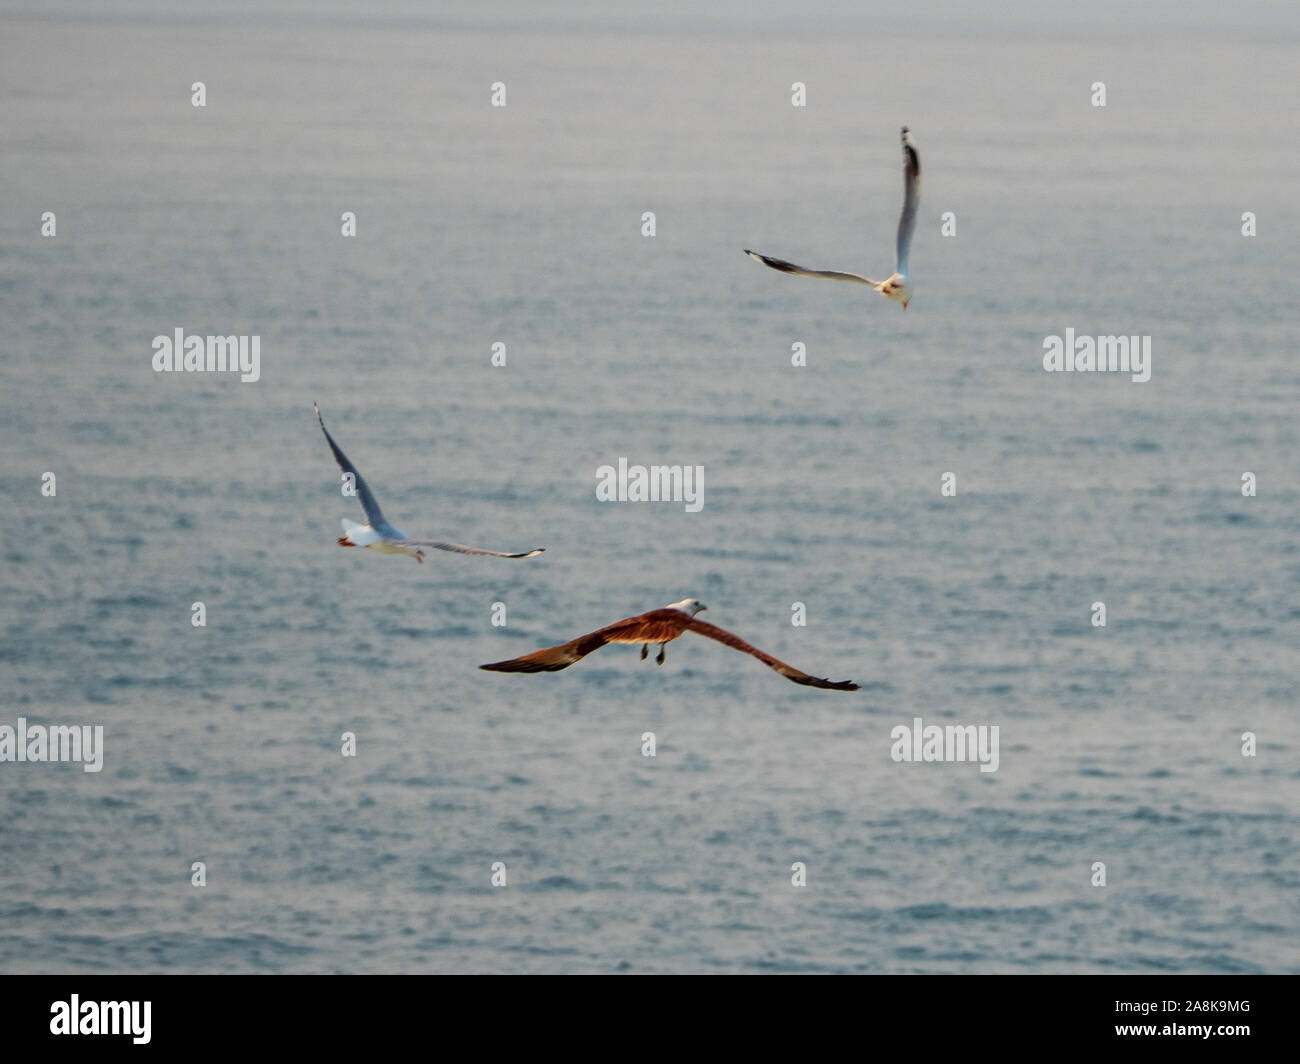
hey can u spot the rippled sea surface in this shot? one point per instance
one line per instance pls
(523, 225)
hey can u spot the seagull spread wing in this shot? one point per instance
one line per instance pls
(373, 514)
(911, 198)
(788, 671)
(462, 549)
(832, 275)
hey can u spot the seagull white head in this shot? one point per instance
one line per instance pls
(897, 289)
(688, 605)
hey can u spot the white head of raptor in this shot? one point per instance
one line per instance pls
(688, 605)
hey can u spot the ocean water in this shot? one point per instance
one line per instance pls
(523, 225)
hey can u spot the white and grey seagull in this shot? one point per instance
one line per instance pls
(379, 535)
(897, 286)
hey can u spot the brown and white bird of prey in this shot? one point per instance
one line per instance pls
(657, 626)
(379, 535)
(897, 286)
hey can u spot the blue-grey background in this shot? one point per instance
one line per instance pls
(522, 225)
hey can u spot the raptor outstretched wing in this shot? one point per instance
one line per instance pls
(657, 626)
(788, 671)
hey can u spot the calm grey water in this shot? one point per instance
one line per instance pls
(523, 225)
